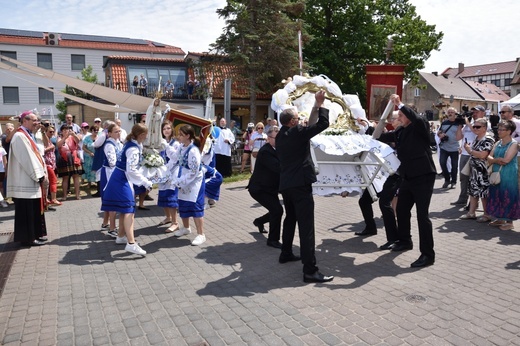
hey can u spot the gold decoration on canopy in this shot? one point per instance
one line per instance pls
(345, 120)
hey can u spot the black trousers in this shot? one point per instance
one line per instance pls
(386, 195)
(416, 191)
(29, 221)
(271, 202)
(299, 207)
(223, 165)
(453, 156)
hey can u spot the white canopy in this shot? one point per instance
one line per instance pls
(125, 100)
(513, 102)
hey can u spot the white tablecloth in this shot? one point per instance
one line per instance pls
(347, 148)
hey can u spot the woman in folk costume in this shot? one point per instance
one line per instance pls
(25, 176)
(111, 148)
(119, 195)
(168, 193)
(190, 181)
(69, 162)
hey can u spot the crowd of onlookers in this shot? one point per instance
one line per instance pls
(485, 162)
(474, 152)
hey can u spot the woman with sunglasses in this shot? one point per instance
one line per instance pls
(478, 186)
(504, 198)
(258, 139)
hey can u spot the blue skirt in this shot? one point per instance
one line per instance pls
(193, 209)
(102, 181)
(213, 186)
(168, 198)
(139, 190)
(119, 194)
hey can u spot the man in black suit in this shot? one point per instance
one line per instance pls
(296, 178)
(263, 187)
(418, 171)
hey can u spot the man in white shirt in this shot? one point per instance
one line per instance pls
(222, 149)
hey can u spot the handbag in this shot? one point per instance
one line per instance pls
(494, 177)
(255, 152)
(466, 170)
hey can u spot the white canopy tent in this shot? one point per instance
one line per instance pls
(513, 102)
(124, 100)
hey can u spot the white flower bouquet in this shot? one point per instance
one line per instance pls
(153, 167)
(151, 160)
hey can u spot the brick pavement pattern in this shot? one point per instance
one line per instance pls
(83, 289)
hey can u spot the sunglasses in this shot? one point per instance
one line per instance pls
(477, 127)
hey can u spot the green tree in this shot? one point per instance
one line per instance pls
(86, 75)
(347, 35)
(260, 38)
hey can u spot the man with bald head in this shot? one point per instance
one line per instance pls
(25, 178)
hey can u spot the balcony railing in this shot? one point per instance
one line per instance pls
(180, 91)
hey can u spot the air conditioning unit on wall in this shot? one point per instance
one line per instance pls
(53, 39)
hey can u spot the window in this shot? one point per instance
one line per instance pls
(44, 60)
(417, 92)
(11, 95)
(77, 62)
(45, 96)
(11, 55)
(177, 75)
(496, 82)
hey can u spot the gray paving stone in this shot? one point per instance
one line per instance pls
(231, 291)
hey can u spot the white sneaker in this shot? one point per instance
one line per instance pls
(199, 239)
(4, 204)
(121, 240)
(182, 231)
(135, 248)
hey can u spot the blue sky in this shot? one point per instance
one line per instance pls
(474, 32)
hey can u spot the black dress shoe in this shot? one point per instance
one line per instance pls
(260, 226)
(274, 243)
(367, 232)
(422, 261)
(148, 198)
(285, 259)
(446, 185)
(387, 246)
(43, 239)
(402, 246)
(317, 277)
(459, 202)
(97, 194)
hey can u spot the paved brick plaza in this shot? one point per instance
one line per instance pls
(82, 289)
